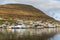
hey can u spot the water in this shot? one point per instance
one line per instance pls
(30, 34)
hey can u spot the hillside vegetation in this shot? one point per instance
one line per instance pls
(22, 11)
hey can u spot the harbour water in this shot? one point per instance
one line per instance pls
(30, 34)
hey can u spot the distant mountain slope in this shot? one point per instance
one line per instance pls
(55, 13)
(22, 11)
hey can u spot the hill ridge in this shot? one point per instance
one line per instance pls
(22, 11)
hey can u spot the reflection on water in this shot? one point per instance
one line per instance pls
(30, 31)
(56, 36)
(33, 34)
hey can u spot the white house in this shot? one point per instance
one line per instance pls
(18, 26)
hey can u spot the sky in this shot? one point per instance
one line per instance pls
(49, 7)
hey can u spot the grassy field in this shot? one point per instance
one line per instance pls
(2, 21)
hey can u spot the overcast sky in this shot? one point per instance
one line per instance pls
(50, 7)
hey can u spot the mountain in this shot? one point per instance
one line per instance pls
(22, 11)
(54, 12)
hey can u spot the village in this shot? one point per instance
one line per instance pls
(22, 24)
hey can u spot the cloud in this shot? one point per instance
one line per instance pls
(44, 4)
(57, 0)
